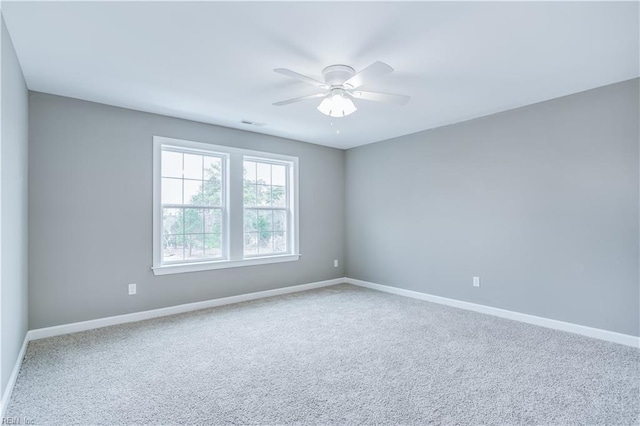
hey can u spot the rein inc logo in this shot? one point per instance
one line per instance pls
(17, 421)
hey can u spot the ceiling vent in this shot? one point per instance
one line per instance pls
(253, 123)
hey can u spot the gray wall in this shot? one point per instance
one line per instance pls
(90, 214)
(13, 178)
(541, 202)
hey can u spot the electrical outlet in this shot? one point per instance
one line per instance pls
(335, 263)
(476, 281)
(132, 289)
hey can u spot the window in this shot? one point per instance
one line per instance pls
(193, 202)
(221, 207)
(266, 207)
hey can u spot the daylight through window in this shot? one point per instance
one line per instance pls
(192, 206)
(218, 207)
(265, 207)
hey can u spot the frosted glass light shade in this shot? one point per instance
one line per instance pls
(337, 106)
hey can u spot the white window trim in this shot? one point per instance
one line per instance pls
(234, 202)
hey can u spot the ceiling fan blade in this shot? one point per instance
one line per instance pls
(301, 98)
(301, 77)
(380, 97)
(375, 70)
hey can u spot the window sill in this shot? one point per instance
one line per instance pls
(222, 264)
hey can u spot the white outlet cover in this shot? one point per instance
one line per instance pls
(132, 289)
(476, 281)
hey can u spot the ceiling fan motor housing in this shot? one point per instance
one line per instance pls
(336, 75)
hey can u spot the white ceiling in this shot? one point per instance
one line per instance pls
(213, 62)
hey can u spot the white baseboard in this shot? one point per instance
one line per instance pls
(75, 327)
(610, 336)
(14, 376)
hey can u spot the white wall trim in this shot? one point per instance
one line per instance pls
(597, 333)
(14, 376)
(179, 268)
(75, 327)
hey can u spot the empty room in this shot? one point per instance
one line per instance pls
(320, 212)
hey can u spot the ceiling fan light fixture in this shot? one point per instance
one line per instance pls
(338, 88)
(337, 105)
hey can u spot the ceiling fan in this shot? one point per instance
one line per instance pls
(339, 88)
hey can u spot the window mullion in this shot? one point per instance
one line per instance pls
(235, 205)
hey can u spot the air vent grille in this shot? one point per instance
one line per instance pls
(252, 123)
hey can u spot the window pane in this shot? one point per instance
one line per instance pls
(279, 196)
(192, 192)
(172, 221)
(264, 196)
(171, 191)
(265, 245)
(250, 198)
(278, 175)
(171, 164)
(249, 172)
(193, 221)
(279, 220)
(194, 247)
(279, 242)
(250, 243)
(213, 169)
(265, 222)
(212, 221)
(264, 173)
(192, 166)
(172, 248)
(212, 194)
(250, 220)
(212, 245)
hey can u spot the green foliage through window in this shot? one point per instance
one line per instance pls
(265, 208)
(192, 229)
